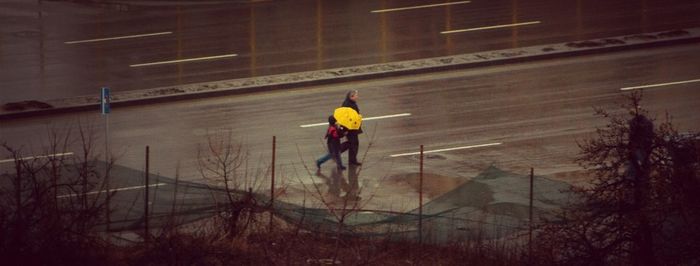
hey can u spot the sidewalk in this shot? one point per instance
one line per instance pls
(336, 75)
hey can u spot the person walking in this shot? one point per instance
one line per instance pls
(352, 135)
(334, 133)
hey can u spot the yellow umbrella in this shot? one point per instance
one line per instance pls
(348, 117)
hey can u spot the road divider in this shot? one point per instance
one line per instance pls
(37, 157)
(363, 119)
(112, 190)
(660, 85)
(120, 37)
(447, 149)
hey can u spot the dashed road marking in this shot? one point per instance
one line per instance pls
(112, 190)
(120, 37)
(363, 119)
(660, 85)
(448, 149)
(185, 60)
(38, 157)
(492, 27)
(418, 7)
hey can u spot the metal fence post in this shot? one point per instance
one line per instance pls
(529, 243)
(272, 181)
(420, 199)
(146, 235)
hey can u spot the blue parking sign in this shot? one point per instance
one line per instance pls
(104, 100)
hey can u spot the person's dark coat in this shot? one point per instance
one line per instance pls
(334, 133)
(352, 135)
(352, 104)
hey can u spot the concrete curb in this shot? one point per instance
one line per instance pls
(345, 74)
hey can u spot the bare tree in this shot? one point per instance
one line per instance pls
(223, 160)
(53, 218)
(645, 180)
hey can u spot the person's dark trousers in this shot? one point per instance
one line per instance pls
(335, 149)
(353, 146)
(343, 147)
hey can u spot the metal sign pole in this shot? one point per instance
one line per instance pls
(105, 108)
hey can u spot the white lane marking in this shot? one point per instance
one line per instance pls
(448, 149)
(492, 27)
(38, 157)
(660, 84)
(363, 119)
(314, 125)
(120, 37)
(385, 116)
(184, 60)
(112, 190)
(417, 7)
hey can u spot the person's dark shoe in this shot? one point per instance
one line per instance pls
(355, 163)
(341, 167)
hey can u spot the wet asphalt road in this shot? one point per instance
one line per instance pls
(536, 111)
(39, 60)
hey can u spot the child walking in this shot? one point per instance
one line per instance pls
(333, 135)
